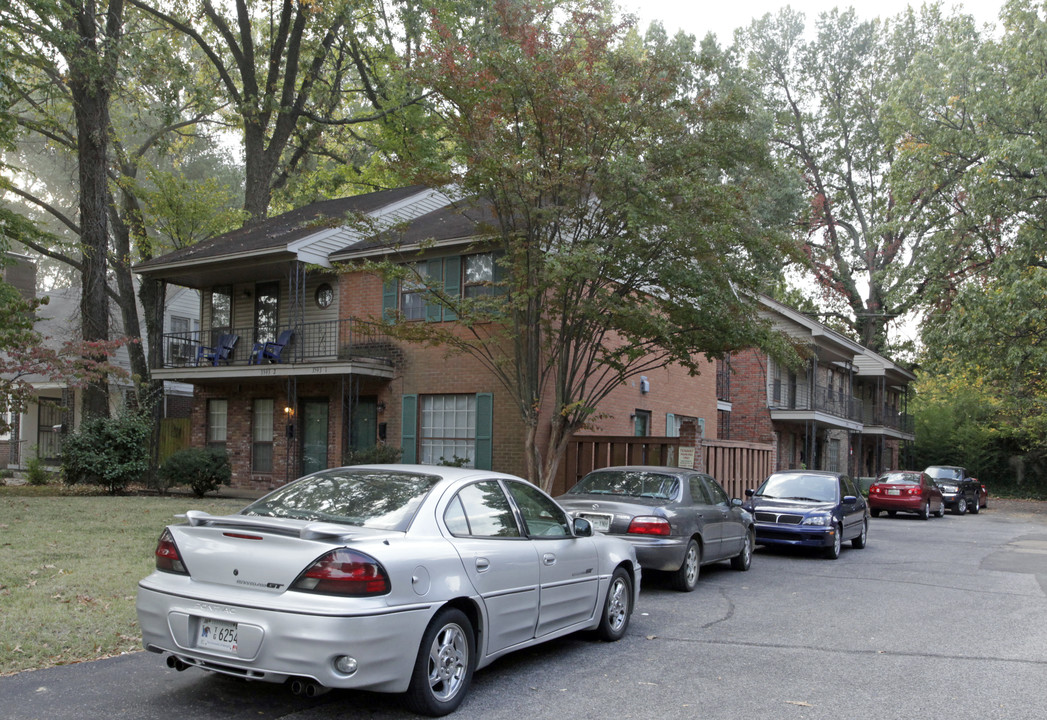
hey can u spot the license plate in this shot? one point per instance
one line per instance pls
(600, 523)
(894, 492)
(217, 635)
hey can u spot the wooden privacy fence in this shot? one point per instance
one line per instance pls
(737, 465)
(174, 436)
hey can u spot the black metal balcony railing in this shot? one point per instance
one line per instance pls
(823, 399)
(328, 341)
(885, 416)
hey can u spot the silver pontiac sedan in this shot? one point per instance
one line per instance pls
(393, 578)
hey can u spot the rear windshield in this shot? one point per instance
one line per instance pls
(900, 478)
(631, 483)
(381, 499)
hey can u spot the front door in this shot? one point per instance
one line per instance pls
(363, 427)
(314, 435)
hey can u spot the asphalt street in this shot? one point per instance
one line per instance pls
(935, 619)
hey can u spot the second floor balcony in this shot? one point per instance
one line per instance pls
(347, 346)
(885, 416)
(794, 401)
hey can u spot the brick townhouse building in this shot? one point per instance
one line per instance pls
(845, 410)
(293, 369)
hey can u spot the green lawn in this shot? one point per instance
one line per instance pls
(69, 571)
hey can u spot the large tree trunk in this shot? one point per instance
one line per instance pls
(91, 101)
(92, 68)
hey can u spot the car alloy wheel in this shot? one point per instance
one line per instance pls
(859, 542)
(743, 560)
(618, 607)
(444, 668)
(833, 551)
(925, 513)
(686, 578)
(961, 505)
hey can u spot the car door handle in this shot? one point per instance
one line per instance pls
(549, 559)
(482, 564)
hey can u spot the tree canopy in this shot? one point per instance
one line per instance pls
(636, 210)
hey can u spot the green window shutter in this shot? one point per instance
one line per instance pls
(452, 283)
(389, 299)
(409, 429)
(484, 430)
(435, 275)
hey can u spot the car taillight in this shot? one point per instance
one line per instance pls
(913, 491)
(168, 558)
(875, 490)
(344, 572)
(649, 525)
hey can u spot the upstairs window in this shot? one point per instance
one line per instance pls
(456, 276)
(266, 311)
(412, 291)
(221, 308)
(478, 275)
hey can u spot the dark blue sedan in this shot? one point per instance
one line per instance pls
(809, 508)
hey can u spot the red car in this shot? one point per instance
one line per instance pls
(908, 491)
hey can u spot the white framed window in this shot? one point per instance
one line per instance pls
(262, 435)
(7, 419)
(217, 422)
(447, 429)
(478, 275)
(412, 292)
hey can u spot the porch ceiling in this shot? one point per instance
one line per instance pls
(228, 271)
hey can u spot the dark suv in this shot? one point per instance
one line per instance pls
(959, 490)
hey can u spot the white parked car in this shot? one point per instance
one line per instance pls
(394, 578)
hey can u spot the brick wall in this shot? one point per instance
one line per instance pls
(178, 406)
(750, 418)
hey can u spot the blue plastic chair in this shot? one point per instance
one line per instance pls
(222, 352)
(271, 351)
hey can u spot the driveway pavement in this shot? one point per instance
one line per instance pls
(935, 619)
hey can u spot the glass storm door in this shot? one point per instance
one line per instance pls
(314, 435)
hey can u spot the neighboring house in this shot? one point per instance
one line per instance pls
(341, 384)
(846, 410)
(54, 409)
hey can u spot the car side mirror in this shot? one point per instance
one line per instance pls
(583, 528)
(749, 492)
(735, 502)
(850, 499)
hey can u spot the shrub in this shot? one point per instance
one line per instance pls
(380, 454)
(202, 469)
(35, 472)
(111, 452)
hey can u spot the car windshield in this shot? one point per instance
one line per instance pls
(900, 478)
(632, 483)
(943, 473)
(381, 499)
(800, 486)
